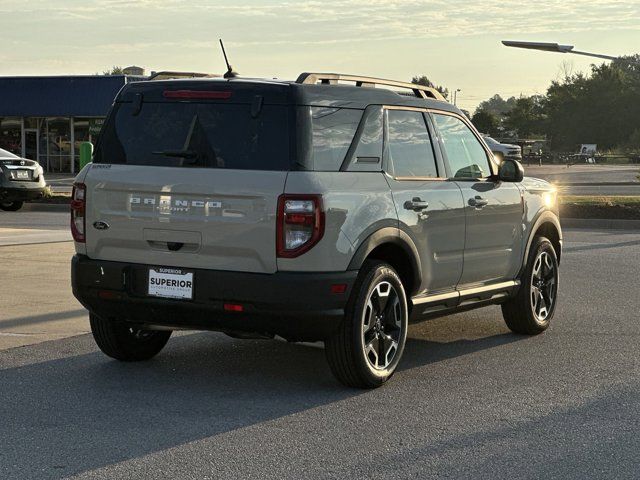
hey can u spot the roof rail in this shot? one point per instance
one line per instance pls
(333, 78)
(167, 75)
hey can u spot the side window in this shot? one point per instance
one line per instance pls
(333, 131)
(368, 152)
(465, 155)
(409, 145)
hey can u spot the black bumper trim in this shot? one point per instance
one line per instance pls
(20, 194)
(296, 306)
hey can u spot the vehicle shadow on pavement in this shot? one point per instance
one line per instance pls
(64, 416)
(46, 317)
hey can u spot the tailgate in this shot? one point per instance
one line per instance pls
(220, 219)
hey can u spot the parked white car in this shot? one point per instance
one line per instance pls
(503, 150)
(20, 180)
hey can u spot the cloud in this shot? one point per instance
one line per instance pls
(271, 22)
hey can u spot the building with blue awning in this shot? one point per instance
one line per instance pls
(47, 118)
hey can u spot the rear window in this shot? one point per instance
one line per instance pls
(184, 134)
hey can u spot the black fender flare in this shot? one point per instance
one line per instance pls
(393, 236)
(544, 217)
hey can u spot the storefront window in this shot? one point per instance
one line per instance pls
(11, 134)
(58, 139)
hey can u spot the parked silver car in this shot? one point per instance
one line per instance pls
(312, 210)
(20, 180)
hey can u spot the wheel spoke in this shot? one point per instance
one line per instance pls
(381, 296)
(390, 347)
(391, 317)
(535, 295)
(371, 350)
(369, 317)
(537, 268)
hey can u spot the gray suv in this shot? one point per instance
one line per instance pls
(325, 209)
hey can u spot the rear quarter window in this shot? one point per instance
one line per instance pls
(333, 131)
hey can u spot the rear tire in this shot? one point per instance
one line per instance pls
(531, 310)
(11, 206)
(125, 342)
(368, 345)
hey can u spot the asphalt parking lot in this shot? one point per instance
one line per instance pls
(471, 400)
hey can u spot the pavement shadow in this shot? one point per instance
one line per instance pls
(69, 415)
(43, 318)
(593, 439)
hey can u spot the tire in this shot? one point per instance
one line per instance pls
(530, 312)
(11, 206)
(125, 342)
(367, 347)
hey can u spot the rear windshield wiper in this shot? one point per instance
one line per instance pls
(177, 153)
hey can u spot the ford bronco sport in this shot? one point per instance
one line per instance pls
(322, 209)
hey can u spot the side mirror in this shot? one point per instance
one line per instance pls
(510, 171)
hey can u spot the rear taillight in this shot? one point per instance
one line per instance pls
(300, 224)
(78, 204)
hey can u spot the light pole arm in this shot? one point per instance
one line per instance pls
(557, 48)
(597, 55)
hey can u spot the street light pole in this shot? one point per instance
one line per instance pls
(455, 96)
(557, 48)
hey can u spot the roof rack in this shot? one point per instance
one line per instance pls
(333, 78)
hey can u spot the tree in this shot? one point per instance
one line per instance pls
(486, 122)
(526, 117)
(602, 107)
(115, 70)
(497, 105)
(424, 81)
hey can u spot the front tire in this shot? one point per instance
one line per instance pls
(125, 342)
(531, 310)
(367, 347)
(11, 206)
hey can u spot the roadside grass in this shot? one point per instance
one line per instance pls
(599, 206)
(600, 199)
(50, 197)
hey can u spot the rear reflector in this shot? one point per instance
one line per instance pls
(199, 94)
(109, 295)
(339, 288)
(233, 307)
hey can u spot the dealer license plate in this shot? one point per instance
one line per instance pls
(170, 283)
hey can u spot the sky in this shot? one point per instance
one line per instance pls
(455, 43)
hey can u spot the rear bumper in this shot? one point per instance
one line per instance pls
(21, 194)
(296, 306)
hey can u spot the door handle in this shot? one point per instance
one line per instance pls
(478, 202)
(416, 204)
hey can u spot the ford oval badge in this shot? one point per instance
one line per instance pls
(100, 225)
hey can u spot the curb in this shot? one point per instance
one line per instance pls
(46, 207)
(600, 223)
(594, 184)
